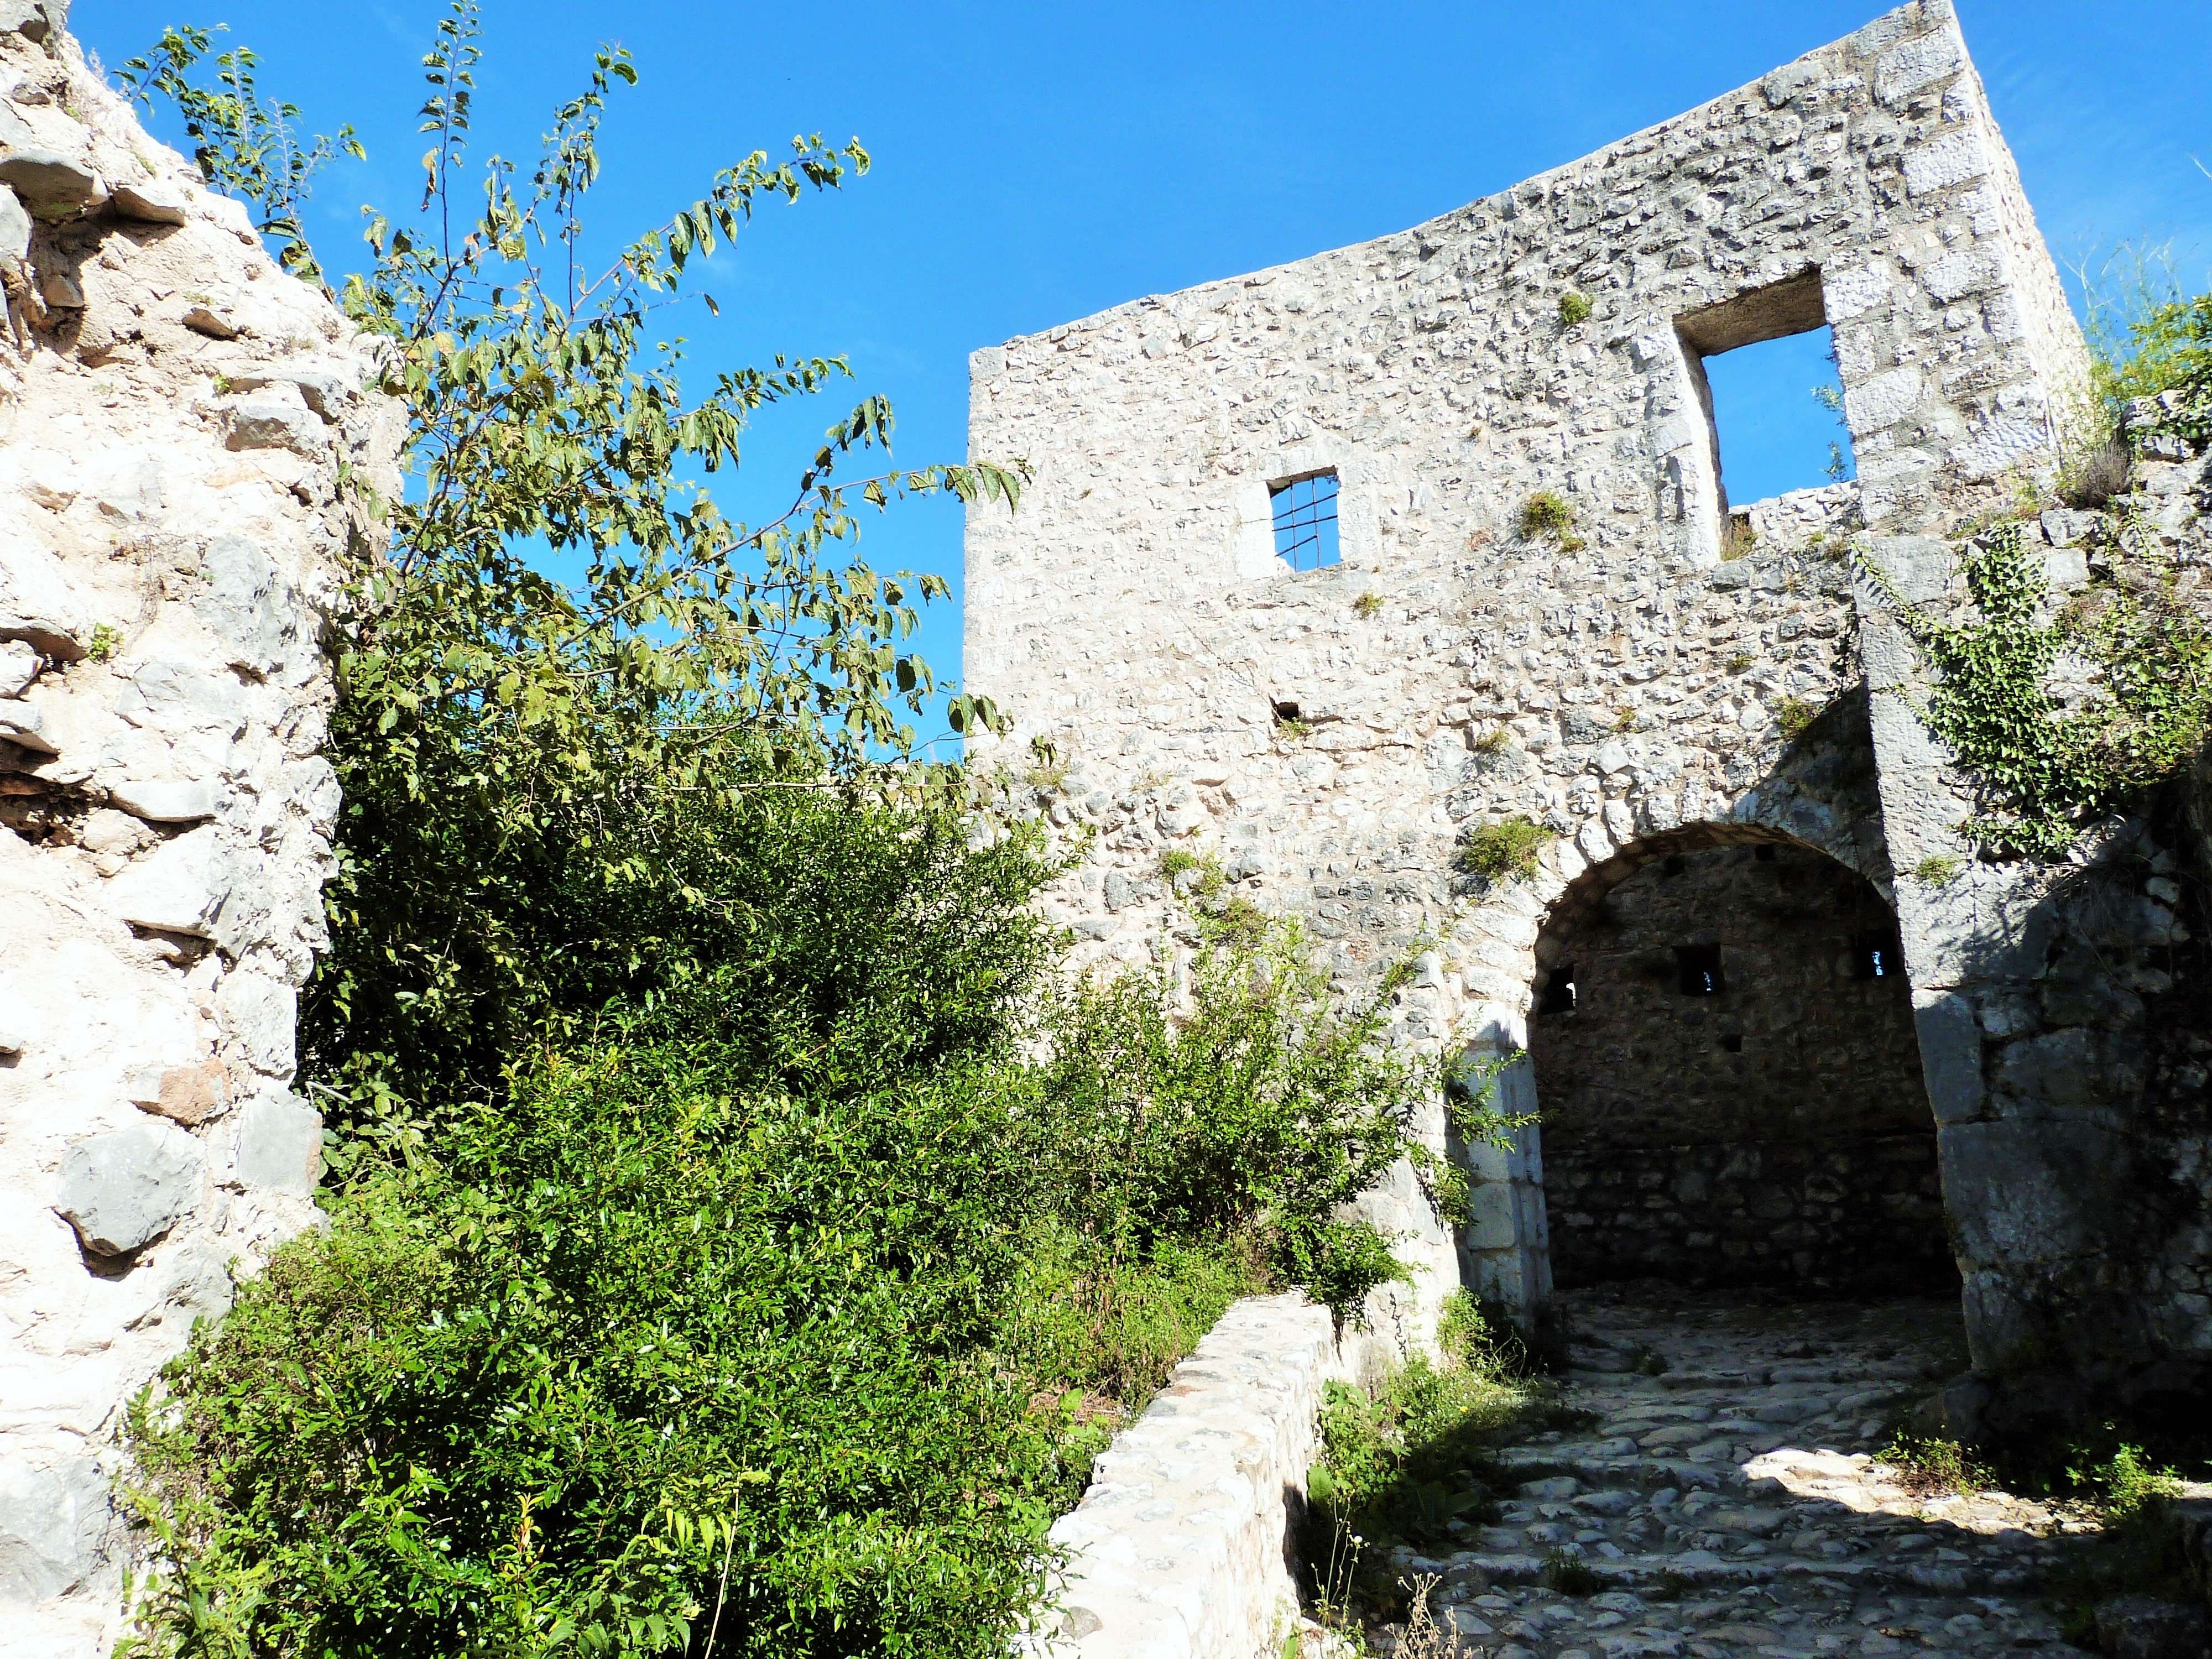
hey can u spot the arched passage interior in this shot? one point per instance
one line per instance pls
(1729, 1082)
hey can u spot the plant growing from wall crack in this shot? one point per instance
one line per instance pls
(2045, 769)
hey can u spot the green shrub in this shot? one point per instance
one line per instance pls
(832, 1263)
(1569, 1574)
(1926, 1466)
(2047, 770)
(1545, 513)
(1368, 605)
(1938, 870)
(1795, 716)
(1413, 1459)
(1507, 848)
(1573, 308)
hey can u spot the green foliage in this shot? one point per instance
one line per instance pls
(1738, 540)
(1293, 729)
(1574, 308)
(1411, 1460)
(103, 643)
(1368, 605)
(1546, 513)
(1494, 740)
(1830, 398)
(2126, 1487)
(524, 761)
(1505, 848)
(739, 1241)
(826, 1267)
(1795, 716)
(1740, 660)
(1569, 1574)
(1938, 870)
(1927, 1466)
(2048, 770)
(244, 147)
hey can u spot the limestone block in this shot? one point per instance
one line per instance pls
(171, 889)
(2026, 1190)
(50, 184)
(171, 802)
(14, 231)
(55, 1518)
(280, 1144)
(274, 420)
(21, 725)
(246, 604)
(174, 696)
(36, 602)
(2152, 1627)
(2073, 1068)
(153, 201)
(1950, 1054)
(261, 1014)
(19, 667)
(189, 1095)
(123, 1189)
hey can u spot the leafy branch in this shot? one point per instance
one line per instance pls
(246, 147)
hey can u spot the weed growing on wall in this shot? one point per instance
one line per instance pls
(2044, 768)
(1507, 848)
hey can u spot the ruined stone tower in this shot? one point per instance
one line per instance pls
(1750, 829)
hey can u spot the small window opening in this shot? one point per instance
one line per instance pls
(1732, 1043)
(1286, 711)
(1764, 855)
(1305, 521)
(1698, 969)
(1763, 363)
(1675, 865)
(1876, 956)
(1559, 994)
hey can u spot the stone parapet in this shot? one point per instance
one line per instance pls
(1183, 1547)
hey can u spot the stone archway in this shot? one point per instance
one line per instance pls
(1724, 1057)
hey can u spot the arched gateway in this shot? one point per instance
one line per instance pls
(1722, 1047)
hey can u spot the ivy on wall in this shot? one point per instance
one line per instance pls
(2048, 764)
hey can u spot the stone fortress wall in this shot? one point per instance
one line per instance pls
(176, 415)
(1627, 687)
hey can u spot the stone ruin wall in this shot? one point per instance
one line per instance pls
(1628, 693)
(174, 415)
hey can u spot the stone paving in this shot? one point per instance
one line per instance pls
(1726, 1496)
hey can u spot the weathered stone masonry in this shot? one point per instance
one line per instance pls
(175, 414)
(1626, 688)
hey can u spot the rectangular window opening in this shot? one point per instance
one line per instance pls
(1876, 955)
(1304, 511)
(1765, 366)
(1559, 994)
(1697, 970)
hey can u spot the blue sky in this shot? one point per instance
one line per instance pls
(1037, 163)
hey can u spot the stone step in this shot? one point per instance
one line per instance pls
(1677, 1569)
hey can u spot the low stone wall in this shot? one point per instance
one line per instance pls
(1181, 1548)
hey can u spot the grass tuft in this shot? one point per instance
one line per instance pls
(1508, 847)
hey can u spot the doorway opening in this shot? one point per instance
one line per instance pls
(1732, 1095)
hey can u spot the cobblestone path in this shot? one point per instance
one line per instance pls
(1726, 1497)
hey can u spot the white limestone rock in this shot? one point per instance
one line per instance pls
(123, 1189)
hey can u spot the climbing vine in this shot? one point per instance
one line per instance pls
(2047, 769)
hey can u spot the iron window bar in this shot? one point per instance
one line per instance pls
(1304, 512)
